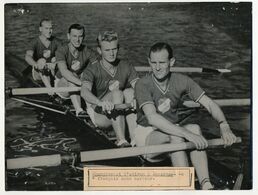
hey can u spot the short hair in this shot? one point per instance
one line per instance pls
(108, 35)
(160, 46)
(77, 27)
(44, 20)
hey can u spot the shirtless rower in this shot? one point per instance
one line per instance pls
(110, 81)
(72, 59)
(158, 96)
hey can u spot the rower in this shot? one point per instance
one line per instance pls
(110, 81)
(158, 96)
(41, 54)
(72, 59)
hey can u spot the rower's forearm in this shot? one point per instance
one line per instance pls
(88, 96)
(30, 60)
(71, 78)
(217, 113)
(166, 126)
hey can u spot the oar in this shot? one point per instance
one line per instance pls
(106, 154)
(97, 109)
(40, 90)
(40, 106)
(185, 69)
(190, 104)
(221, 102)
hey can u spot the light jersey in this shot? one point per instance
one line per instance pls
(166, 102)
(103, 81)
(84, 57)
(41, 51)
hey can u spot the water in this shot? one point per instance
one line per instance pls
(213, 35)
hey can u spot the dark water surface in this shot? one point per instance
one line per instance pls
(213, 35)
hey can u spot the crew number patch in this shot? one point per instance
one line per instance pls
(113, 84)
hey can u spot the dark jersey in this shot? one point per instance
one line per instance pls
(148, 91)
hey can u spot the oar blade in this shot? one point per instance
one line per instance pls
(216, 71)
(224, 70)
(37, 161)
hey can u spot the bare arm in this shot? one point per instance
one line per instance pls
(87, 95)
(218, 115)
(90, 98)
(29, 58)
(166, 126)
(67, 74)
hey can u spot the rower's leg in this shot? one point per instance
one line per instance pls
(200, 161)
(155, 137)
(130, 118)
(178, 158)
(75, 99)
(46, 80)
(101, 120)
(119, 122)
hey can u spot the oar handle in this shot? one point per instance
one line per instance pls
(220, 142)
(118, 107)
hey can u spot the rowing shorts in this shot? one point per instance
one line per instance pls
(141, 134)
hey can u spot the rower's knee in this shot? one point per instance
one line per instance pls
(128, 95)
(117, 96)
(194, 128)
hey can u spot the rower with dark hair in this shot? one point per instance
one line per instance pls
(41, 54)
(72, 59)
(158, 96)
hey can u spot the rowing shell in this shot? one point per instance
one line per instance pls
(97, 145)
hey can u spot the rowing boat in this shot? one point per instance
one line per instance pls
(92, 138)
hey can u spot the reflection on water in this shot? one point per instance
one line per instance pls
(214, 35)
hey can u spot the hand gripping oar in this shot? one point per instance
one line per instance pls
(107, 154)
(185, 69)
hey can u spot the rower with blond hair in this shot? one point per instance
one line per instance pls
(107, 82)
